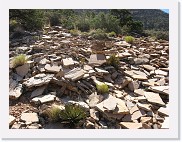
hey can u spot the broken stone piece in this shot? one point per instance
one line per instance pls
(29, 117)
(68, 62)
(22, 70)
(131, 125)
(12, 120)
(97, 59)
(44, 98)
(75, 74)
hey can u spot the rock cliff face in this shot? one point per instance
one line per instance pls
(62, 69)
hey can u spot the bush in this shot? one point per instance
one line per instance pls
(113, 61)
(19, 60)
(98, 34)
(164, 35)
(102, 88)
(112, 34)
(75, 32)
(53, 114)
(129, 39)
(72, 114)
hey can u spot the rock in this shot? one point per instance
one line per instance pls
(145, 107)
(94, 114)
(38, 92)
(89, 125)
(137, 114)
(12, 120)
(93, 99)
(131, 125)
(127, 118)
(46, 37)
(16, 92)
(163, 111)
(109, 104)
(139, 92)
(44, 61)
(52, 69)
(68, 62)
(87, 67)
(133, 85)
(160, 89)
(154, 98)
(122, 43)
(22, 70)
(75, 74)
(16, 126)
(139, 61)
(29, 117)
(145, 119)
(97, 59)
(129, 104)
(165, 124)
(118, 94)
(38, 80)
(81, 104)
(124, 55)
(148, 67)
(136, 74)
(101, 71)
(159, 72)
(44, 98)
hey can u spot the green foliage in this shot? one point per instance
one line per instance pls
(112, 34)
(29, 19)
(129, 39)
(53, 114)
(19, 60)
(75, 32)
(98, 34)
(164, 35)
(72, 114)
(102, 88)
(113, 61)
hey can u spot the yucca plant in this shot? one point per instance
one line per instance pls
(102, 88)
(129, 39)
(53, 114)
(72, 114)
(19, 60)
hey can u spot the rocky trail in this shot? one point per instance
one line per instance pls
(62, 69)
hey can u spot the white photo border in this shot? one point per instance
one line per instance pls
(171, 133)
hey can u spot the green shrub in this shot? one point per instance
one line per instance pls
(102, 88)
(19, 60)
(72, 114)
(53, 114)
(75, 32)
(113, 61)
(98, 34)
(112, 34)
(129, 39)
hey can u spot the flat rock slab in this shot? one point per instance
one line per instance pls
(81, 104)
(124, 55)
(52, 68)
(75, 74)
(68, 62)
(145, 107)
(159, 72)
(148, 67)
(94, 99)
(122, 43)
(22, 70)
(163, 111)
(44, 98)
(154, 98)
(99, 70)
(160, 89)
(16, 92)
(97, 59)
(136, 74)
(114, 104)
(38, 92)
(139, 92)
(131, 125)
(38, 80)
(29, 117)
(12, 120)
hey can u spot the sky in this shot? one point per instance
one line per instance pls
(165, 10)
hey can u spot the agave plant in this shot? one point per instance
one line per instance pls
(72, 114)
